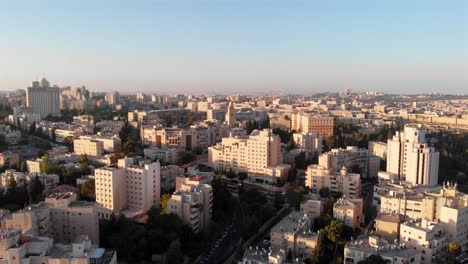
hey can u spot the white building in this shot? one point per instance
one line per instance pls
(308, 142)
(318, 177)
(411, 158)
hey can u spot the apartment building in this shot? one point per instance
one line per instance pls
(350, 211)
(351, 157)
(308, 142)
(293, 233)
(43, 99)
(176, 137)
(252, 154)
(37, 249)
(310, 123)
(411, 158)
(9, 159)
(425, 236)
(111, 189)
(132, 184)
(88, 146)
(193, 203)
(143, 183)
(443, 204)
(61, 216)
(166, 155)
(230, 115)
(365, 246)
(318, 177)
(378, 149)
(387, 225)
(313, 207)
(169, 173)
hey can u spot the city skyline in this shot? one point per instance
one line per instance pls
(237, 46)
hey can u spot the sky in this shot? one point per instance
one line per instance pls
(236, 46)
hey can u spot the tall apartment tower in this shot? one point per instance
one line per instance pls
(43, 99)
(230, 115)
(411, 158)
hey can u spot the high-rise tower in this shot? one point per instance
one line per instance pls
(411, 158)
(43, 99)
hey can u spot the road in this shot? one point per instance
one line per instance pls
(222, 248)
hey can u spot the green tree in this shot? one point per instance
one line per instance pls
(23, 166)
(197, 150)
(36, 189)
(319, 255)
(88, 189)
(372, 259)
(164, 199)
(334, 232)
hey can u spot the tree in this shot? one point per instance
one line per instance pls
(197, 150)
(23, 166)
(324, 192)
(372, 259)
(164, 199)
(36, 189)
(334, 232)
(242, 176)
(45, 163)
(319, 255)
(88, 189)
(83, 158)
(129, 146)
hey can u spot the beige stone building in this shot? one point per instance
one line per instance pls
(252, 154)
(365, 246)
(313, 207)
(318, 177)
(351, 157)
(293, 233)
(310, 123)
(308, 142)
(378, 149)
(388, 226)
(88, 146)
(411, 158)
(60, 216)
(193, 203)
(9, 159)
(43, 99)
(175, 137)
(427, 237)
(111, 191)
(350, 211)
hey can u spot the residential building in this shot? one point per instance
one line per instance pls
(143, 183)
(308, 142)
(387, 225)
(365, 246)
(193, 204)
(378, 149)
(9, 159)
(313, 207)
(351, 157)
(61, 216)
(315, 124)
(425, 236)
(293, 234)
(43, 99)
(350, 211)
(88, 146)
(166, 155)
(252, 154)
(411, 158)
(181, 138)
(111, 189)
(318, 177)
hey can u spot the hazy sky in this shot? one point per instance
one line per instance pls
(224, 46)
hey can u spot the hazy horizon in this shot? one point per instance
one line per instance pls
(223, 46)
